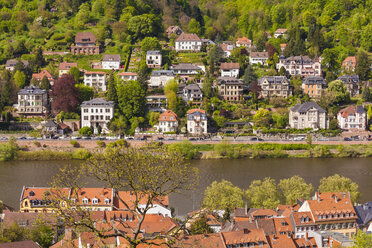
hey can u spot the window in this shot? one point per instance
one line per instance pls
(95, 201)
(107, 201)
(85, 201)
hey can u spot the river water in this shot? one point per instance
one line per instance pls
(15, 174)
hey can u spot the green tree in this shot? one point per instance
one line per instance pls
(369, 113)
(200, 226)
(111, 93)
(43, 235)
(118, 125)
(153, 118)
(45, 84)
(262, 118)
(363, 66)
(366, 94)
(330, 61)
(250, 75)
(216, 54)
(194, 27)
(150, 43)
(264, 194)
(83, 16)
(20, 79)
(15, 233)
(86, 131)
(337, 183)
(295, 188)
(223, 196)
(86, 92)
(144, 25)
(362, 240)
(333, 124)
(8, 90)
(75, 73)
(342, 95)
(132, 99)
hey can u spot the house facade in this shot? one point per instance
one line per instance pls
(85, 43)
(97, 112)
(186, 71)
(65, 67)
(256, 58)
(227, 48)
(153, 59)
(313, 86)
(44, 73)
(168, 122)
(96, 79)
(230, 70)
(244, 42)
(111, 61)
(188, 42)
(308, 115)
(278, 86)
(127, 76)
(192, 92)
(280, 32)
(159, 78)
(156, 103)
(351, 83)
(349, 64)
(197, 122)
(300, 65)
(11, 63)
(32, 101)
(352, 118)
(230, 88)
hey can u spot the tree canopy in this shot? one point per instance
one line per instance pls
(337, 183)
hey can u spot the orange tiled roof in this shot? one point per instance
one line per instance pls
(168, 116)
(103, 195)
(41, 193)
(350, 60)
(211, 240)
(94, 72)
(245, 236)
(281, 30)
(188, 37)
(281, 241)
(264, 212)
(127, 74)
(244, 40)
(130, 197)
(66, 65)
(306, 242)
(196, 110)
(306, 218)
(283, 225)
(40, 75)
(345, 112)
(229, 66)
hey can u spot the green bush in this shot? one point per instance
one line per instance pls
(8, 151)
(228, 150)
(320, 151)
(74, 143)
(86, 131)
(273, 146)
(118, 143)
(81, 154)
(187, 149)
(37, 143)
(101, 144)
(43, 155)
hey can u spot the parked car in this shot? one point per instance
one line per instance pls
(160, 138)
(298, 138)
(23, 138)
(171, 138)
(192, 139)
(347, 139)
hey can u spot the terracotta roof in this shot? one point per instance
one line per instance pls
(27, 219)
(259, 55)
(302, 218)
(85, 37)
(283, 45)
(229, 66)
(40, 193)
(40, 75)
(13, 62)
(264, 212)
(188, 37)
(350, 60)
(281, 241)
(306, 242)
(127, 74)
(94, 72)
(62, 126)
(196, 110)
(281, 30)
(244, 212)
(267, 225)
(211, 240)
(351, 110)
(104, 196)
(66, 65)
(283, 225)
(225, 47)
(246, 236)
(20, 244)
(130, 197)
(168, 116)
(244, 40)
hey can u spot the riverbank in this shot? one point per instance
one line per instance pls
(27, 150)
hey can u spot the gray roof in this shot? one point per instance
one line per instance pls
(306, 106)
(273, 79)
(314, 80)
(229, 80)
(192, 87)
(50, 123)
(364, 213)
(360, 109)
(156, 52)
(299, 60)
(97, 102)
(111, 57)
(13, 62)
(32, 90)
(186, 66)
(354, 79)
(159, 73)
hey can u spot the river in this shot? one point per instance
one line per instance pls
(15, 174)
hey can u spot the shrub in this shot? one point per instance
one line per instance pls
(43, 155)
(101, 143)
(9, 150)
(320, 152)
(81, 154)
(74, 143)
(37, 143)
(228, 150)
(118, 143)
(86, 131)
(187, 149)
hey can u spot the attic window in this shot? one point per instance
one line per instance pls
(95, 201)
(32, 193)
(85, 201)
(107, 201)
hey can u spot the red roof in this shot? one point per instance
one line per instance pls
(281, 241)
(127, 74)
(188, 37)
(40, 193)
(40, 75)
(245, 236)
(168, 116)
(94, 72)
(101, 194)
(229, 66)
(129, 197)
(244, 40)
(66, 65)
(196, 110)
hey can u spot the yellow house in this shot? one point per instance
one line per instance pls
(65, 67)
(313, 86)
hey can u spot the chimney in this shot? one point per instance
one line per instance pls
(335, 198)
(245, 230)
(246, 209)
(344, 195)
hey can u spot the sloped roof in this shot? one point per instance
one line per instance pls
(43, 73)
(245, 236)
(93, 193)
(85, 37)
(281, 241)
(259, 55)
(229, 66)
(155, 52)
(158, 73)
(229, 80)
(364, 213)
(111, 57)
(67, 65)
(168, 116)
(186, 66)
(50, 123)
(351, 110)
(20, 244)
(306, 106)
(191, 111)
(243, 40)
(188, 37)
(354, 79)
(97, 102)
(13, 62)
(314, 80)
(31, 90)
(273, 79)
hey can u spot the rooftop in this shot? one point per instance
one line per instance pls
(229, 66)
(85, 37)
(32, 90)
(111, 57)
(188, 37)
(97, 102)
(301, 108)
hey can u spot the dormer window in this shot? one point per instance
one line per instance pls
(32, 193)
(85, 201)
(73, 200)
(107, 201)
(95, 201)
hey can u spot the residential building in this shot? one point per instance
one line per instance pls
(20, 244)
(313, 86)
(188, 42)
(278, 86)
(230, 70)
(85, 43)
(44, 73)
(186, 71)
(32, 101)
(97, 112)
(96, 79)
(331, 239)
(168, 122)
(153, 59)
(332, 212)
(246, 238)
(280, 32)
(283, 46)
(159, 78)
(174, 30)
(351, 83)
(256, 58)
(301, 65)
(349, 64)
(193, 93)
(93, 199)
(244, 42)
(65, 67)
(302, 222)
(281, 240)
(50, 126)
(364, 213)
(156, 103)
(111, 61)
(127, 76)
(230, 88)
(284, 226)
(197, 122)
(11, 63)
(308, 115)
(352, 118)
(268, 35)
(227, 48)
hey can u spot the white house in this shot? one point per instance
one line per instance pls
(192, 92)
(188, 42)
(153, 59)
(111, 61)
(352, 117)
(95, 79)
(227, 48)
(301, 65)
(308, 115)
(97, 112)
(168, 122)
(197, 121)
(160, 77)
(280, 32)
(230, 70)
(126, 76)
(256, 58)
